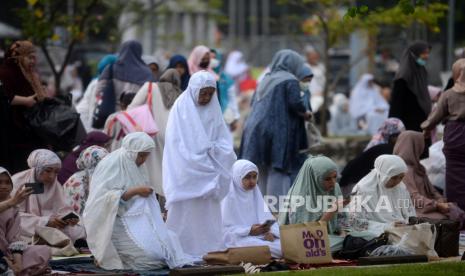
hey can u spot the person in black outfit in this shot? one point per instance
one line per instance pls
(410, 100)
(361, 165)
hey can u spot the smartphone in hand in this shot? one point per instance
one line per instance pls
(37, 187)
(268, 223)
(70, 216)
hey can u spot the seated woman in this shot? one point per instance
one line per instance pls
(47, 208)
(384, 186)
(77, 187)
(387, 133)
(316, 179)
(244, 214)
(122, 215)
(428, 202)
(382, 143)
(21, 258)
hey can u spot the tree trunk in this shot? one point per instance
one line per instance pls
(324, 107)
(57, 78)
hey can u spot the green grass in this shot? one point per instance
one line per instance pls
(443, 268)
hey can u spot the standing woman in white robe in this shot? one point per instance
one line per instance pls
(122, 215)
(244, 212)
(385, 188)
(197, 163)
(164, 94)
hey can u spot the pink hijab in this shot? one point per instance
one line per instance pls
(195, 58)
(38, 208)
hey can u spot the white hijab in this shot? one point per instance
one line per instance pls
(114, 175)
(242, 207)
(373, 184)
(198, 153)
(365, 99)
(235, 64)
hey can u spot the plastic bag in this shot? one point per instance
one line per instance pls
(398, 249)
(55, 123)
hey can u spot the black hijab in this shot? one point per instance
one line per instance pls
(130, 67)
(415, 75)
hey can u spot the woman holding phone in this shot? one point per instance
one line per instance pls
(246, 222)
(48, 207)
(21, 258)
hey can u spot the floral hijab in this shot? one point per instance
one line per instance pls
(77, 186)
(390, 127)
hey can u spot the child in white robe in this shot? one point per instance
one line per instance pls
(245, 212)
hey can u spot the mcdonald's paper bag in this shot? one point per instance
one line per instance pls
(306, 243)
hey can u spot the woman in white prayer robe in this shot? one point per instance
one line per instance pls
(245, 212)
(385, 188)
(122, 215)
(197, 162)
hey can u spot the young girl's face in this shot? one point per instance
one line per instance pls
(394, 181)
(141, 158)
(329, 181)
(5, 186)
(250, 181)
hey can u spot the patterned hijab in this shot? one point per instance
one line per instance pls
(77, 186)
(90, 157)
(41, 159)
(18, 53)
(390, 127)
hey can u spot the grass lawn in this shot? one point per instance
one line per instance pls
(443, 268)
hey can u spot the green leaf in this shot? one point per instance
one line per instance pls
(352, 11)
(363, 9)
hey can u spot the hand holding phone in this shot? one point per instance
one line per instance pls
(21, 194)
(268, 223)
(37, 187)
(70, 216)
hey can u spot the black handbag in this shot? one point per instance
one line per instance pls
(356, 247)
(106, 102)
(447, 237)
(54, 123)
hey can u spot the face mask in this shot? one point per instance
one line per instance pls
(214, 63)
(204, 64)
(304, 86)
(421, 62)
